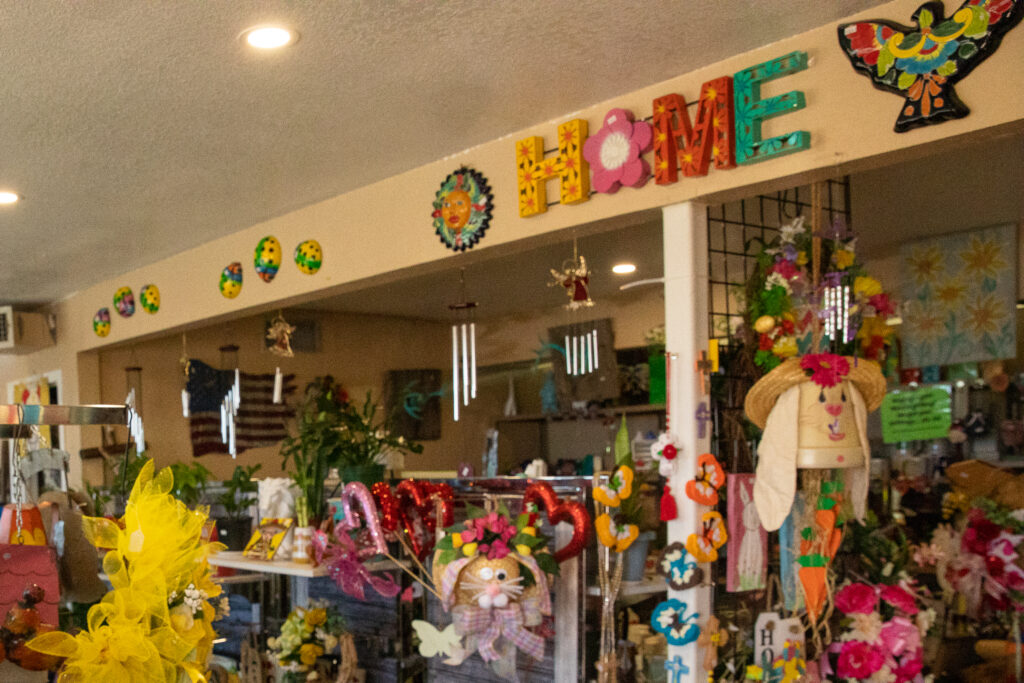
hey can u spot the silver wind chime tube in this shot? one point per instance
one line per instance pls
(228, 412)
(581, 357)
(463, 365)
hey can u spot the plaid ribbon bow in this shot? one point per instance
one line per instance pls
(494, 623)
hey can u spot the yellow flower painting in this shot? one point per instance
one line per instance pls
(960, 291)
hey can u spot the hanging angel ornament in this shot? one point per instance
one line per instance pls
(281, 334)
(575, 278)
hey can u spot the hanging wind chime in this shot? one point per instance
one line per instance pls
(463, 350)
(231, 402)
(581, 355)
(281, 333)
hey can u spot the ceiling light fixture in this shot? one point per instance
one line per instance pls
(8, 197)
(269, 37)
(624, 268)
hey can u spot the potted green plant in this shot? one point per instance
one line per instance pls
(190, 482)
(332, 432)
(235, 527)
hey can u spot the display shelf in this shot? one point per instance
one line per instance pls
(631, 589)
(600, 412)
(233, 559)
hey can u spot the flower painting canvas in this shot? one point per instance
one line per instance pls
(960, 297)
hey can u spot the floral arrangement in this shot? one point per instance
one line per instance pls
(335, 432)
(306, 635)
(495, 535)
(156, 622)
(783, 302)
(884, 627)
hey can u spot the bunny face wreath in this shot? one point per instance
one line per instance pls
(813, 411)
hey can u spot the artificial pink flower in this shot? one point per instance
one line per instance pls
(882, 305)
(498, 550)
(909, 666)
(470, 535)
(857, 598)
(785, 268)
(614, 153)
(900, 599)
(827, 369)
(979, 533)
(859, 660)
(900, 635)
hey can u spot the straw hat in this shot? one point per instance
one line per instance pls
(865, 375)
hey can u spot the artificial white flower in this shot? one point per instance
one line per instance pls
(925, 619)
(776, 279)
(791, 230)
(866, 627)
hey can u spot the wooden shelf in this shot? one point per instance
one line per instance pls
(238, 560)
(601, 412)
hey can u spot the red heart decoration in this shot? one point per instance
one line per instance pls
(418, 503)
(541, 494)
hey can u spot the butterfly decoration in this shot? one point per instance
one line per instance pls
(671, 620)
(680, 573)
(704, 546)
(434, 642)
(618, 488)
(922, 63)
(615, 534)
(703, 489)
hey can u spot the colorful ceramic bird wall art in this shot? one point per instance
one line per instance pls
(923, 63)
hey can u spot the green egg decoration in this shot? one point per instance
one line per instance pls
(231, 280)
(101, 322)
(124, 302)
(149, 298)
(309, 256)
(267, 258)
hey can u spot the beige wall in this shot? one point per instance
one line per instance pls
(385, 227)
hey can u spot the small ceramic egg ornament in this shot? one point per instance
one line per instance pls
(149, 298)
(124, 302)
(309, 256)
(267, 258)
(231, 280)
(101, 322)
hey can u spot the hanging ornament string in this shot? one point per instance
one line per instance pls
(816, 259)
(186, 368)
(463, 350)
(19, 482)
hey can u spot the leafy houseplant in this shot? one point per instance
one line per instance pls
(333, 432)
(190, 482)
(236, 501)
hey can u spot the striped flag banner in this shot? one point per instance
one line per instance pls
(260, 422)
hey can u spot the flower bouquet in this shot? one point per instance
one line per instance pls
(785, 305)
(884, 627)
(306, 635)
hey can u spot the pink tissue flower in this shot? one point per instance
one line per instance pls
(614, 153)
(900, 599)
(859, 660)
(827, 369)
(857, 598)
(900, 635)
(909, 667)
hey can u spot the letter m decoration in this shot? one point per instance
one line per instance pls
(677, 143)
(533, 170)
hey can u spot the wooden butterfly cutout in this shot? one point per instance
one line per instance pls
(704, 546)
(618, 488)
(680, 572)
(703, 489)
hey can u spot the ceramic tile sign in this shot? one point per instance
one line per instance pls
(747, 566)
(922, 63)
(771, 632)
(917, 414)
(960, 294)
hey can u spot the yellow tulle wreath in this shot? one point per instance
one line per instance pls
(156, 623)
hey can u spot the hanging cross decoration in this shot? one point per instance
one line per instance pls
(676, 669)
(703, 366)
(703, 416)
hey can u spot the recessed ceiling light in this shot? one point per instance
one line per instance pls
(623, 268)
(269, 37)
(8, 197)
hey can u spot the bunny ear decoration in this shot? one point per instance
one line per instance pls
(857, 478)
(775, 484)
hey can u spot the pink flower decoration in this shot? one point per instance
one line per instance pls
(785, 268)
(614, 152)
(882, 304)
(498, 550)
(827, 369)
(909, 667)
(858, 660)
(900, 635)
(857, 598)
(900, 599)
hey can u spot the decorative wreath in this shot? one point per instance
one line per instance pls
(462, 209)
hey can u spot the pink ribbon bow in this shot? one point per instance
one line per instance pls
(496, 622)
(346, 569)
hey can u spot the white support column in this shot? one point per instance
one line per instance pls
(686, 334)
(567, 611)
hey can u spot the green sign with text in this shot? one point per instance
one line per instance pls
(916, 414)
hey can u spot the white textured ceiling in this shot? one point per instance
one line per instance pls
(136, 130)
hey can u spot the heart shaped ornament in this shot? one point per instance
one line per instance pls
(541, 495)
(422, 506)
(357, 491)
